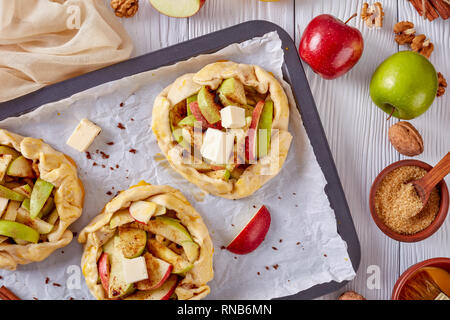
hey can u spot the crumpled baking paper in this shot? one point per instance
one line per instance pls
(302, 247)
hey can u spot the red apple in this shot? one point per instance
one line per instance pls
(253, 233)
(104, 268)
(158, 272)
(199, 117)
(330, 46)
(162, 293)
(252, 139)
(178, 8)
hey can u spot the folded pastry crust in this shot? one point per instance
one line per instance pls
(194, 285)
(212, 75)
(59, 170)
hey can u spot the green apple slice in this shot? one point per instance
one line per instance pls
(10, 194)
(180, 265)
(232, 89)
(207, 105)
(53, 217)
(265, 123)
(8, 150)
(120, 218)
(21, 167)
(41, 192)
(47, 208)
(132, 242)
(173, 230)
(118, 287)
(18, 231)
(188, 121)
(219, 174)
(5, 160)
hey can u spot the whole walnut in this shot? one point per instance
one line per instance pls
(406, 139)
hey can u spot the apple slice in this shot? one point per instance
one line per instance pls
(253, 233)
(39, 196)
(180, 265)
(177, 8)
(142, 211)
(104, 268)
(164, 292)
(18, 231)
(195, 109)
(158, 272)
(120, 218)
(21, 167)
(253, 131)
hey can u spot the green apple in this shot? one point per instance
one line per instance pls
(39, 225)
(188, 121)
(120, 218)
(265, 123)
(173, 230)
(24, 189)
(11, 211)
(21, 167)
(132, 242)
(18, 231)
(118, 287)
(180, 265)
(10, 194)
(207, 105)
(41, 192)
(232, 90)
(405, 84)
(52, 217)
(188, 101)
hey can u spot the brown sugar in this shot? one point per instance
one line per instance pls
(398, 205)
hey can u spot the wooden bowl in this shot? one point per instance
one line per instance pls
(438, 220)
(443, 263)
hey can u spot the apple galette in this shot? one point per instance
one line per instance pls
(148, 243)
(224, 128)
(40, 196)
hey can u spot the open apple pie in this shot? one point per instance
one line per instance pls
(148, 243)
(40, 196)
(224, 128)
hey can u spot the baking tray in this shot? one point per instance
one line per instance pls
(292, 72)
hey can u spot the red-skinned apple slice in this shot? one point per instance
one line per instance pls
(162, 293)
(199, 117)
(158, 272)
(142, 211)
(104, 268)
(253, 233)
(178, 8)
(253, 131)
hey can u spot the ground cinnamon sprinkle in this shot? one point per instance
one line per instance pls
(399, 206)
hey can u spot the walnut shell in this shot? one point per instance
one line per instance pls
(406, 139)
(351, 295)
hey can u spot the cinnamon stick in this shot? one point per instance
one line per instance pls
(430, 12)
(441, 7)
(6, 294)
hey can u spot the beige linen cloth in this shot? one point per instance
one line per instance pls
(43, 42)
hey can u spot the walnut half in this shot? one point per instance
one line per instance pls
(442, 84)
(372, 15)
(404, 32)
(125, 8)
(422, 45)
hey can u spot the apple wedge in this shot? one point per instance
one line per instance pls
(178, 8)
(180, 265)
(39, 196)
(142, 211)
(132, 242)
(253, 233)
(253, 131)
(120, 218)
(158, 272)
(104, 268)
(18, 231)
(164, 292)
(21, 167)
(207, 103)
(193, 106)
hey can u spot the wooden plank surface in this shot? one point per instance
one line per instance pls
(355, 128)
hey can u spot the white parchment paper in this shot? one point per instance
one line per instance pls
(302, 247)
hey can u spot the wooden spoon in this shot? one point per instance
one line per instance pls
(424, 185)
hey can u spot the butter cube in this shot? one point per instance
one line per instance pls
(134, 270)
(217, 146)
(83, 135)
(233, 117)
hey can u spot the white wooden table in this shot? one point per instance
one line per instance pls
(356, 129)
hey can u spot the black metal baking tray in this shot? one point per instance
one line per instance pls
(293, 73)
